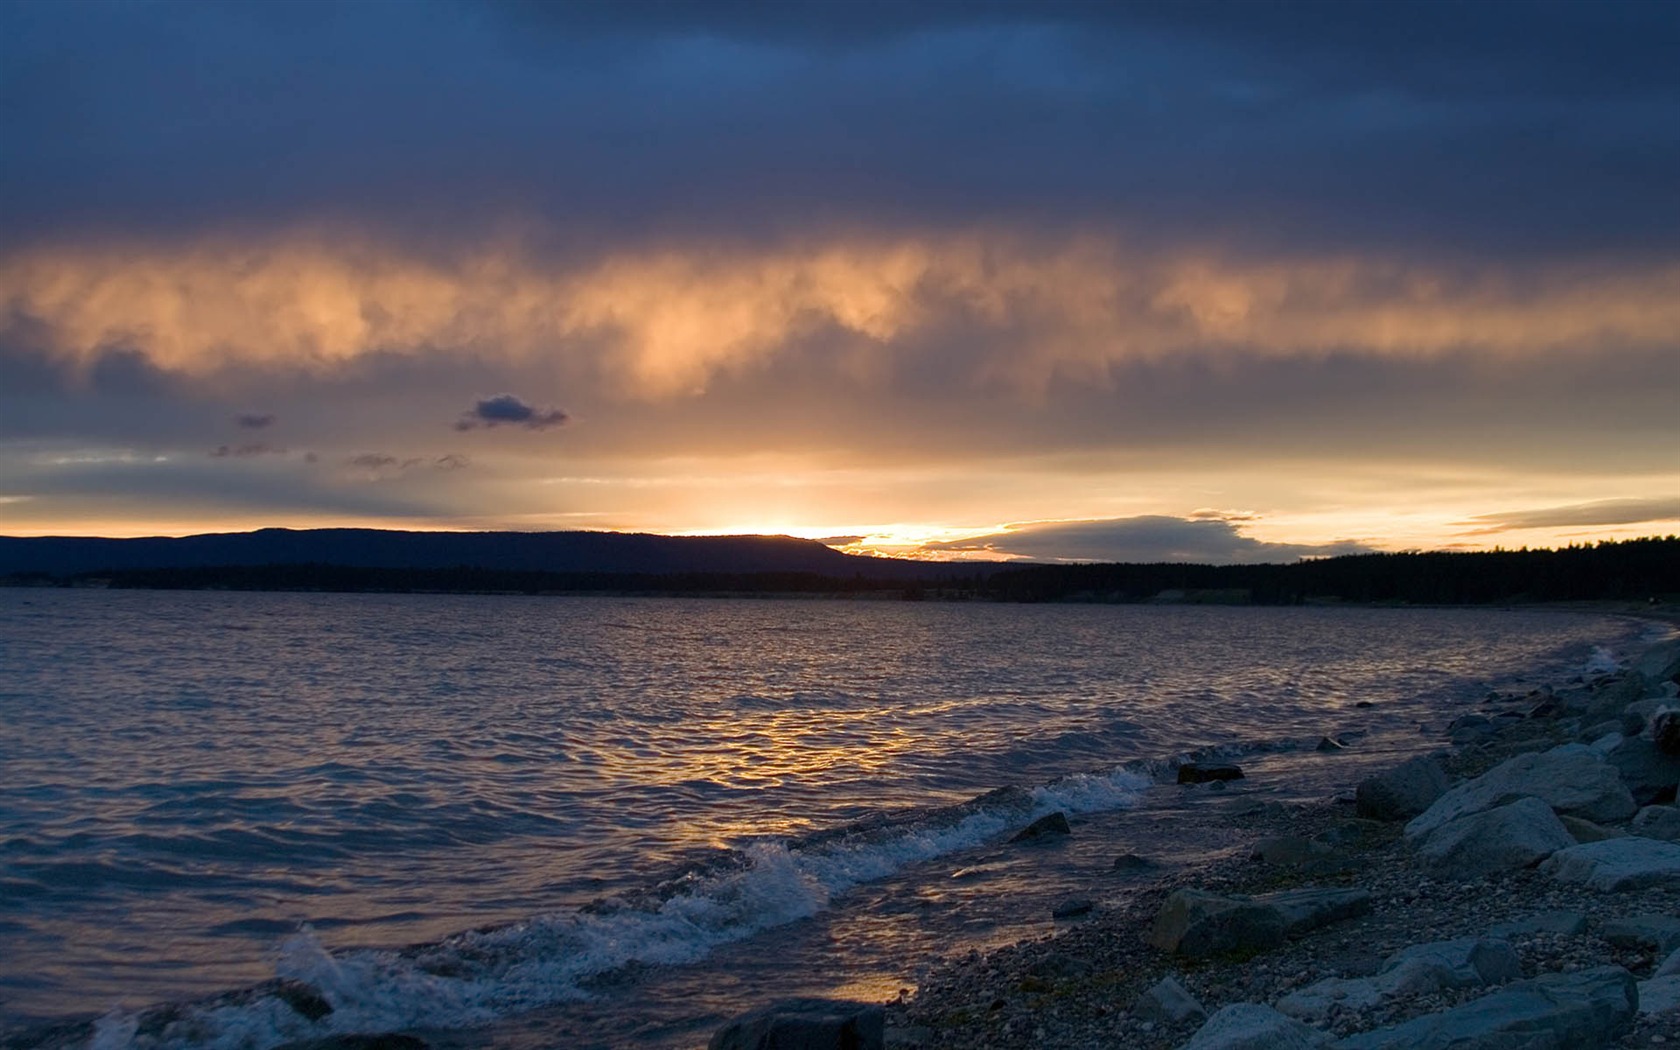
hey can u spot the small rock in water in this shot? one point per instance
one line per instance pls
(1044, 828)
(1069, 909)
(1196, 773)
(1330, 743)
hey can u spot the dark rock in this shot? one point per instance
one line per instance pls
(1665, 732)
(1131, 862)
(303, 999)
(1070, 909)
(1650, 775)
(805, 1024)
(1196, 773)
(1329, 744)
(1559, 1011)
(1364, 704)
(1402, 792)
(1198, 923)
(1053, 826)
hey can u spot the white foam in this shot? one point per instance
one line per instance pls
(475, 977)
(1602, 661)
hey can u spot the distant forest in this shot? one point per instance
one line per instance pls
(1632, 570)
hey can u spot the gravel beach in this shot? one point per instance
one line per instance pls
(1085, 985)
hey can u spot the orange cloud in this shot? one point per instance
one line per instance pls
(665, 323)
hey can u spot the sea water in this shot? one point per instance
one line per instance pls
(610, 821)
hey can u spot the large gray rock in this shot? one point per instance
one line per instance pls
(1198, 923)
(1573, 1011)
(1617, 864)
(1650, 775)
(1250, 1026)
(1505, 838)
(1168, 1001)
(1586, 831)
(1571, 779)
(1402, 792)
(805, 1024)
(1422, 969)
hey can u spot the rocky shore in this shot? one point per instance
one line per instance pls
(1518, 888)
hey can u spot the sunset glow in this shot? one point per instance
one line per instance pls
(1281, 330)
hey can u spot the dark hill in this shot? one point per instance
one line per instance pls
(544, 552)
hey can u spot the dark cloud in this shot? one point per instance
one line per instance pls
(1146, 539)
(1598, 512)
(254, 420)
(1477, 126)
(508, 410)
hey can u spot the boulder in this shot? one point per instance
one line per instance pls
(1658, 822)
(1168, 1002)
(1071, 908)
(1198, 923)
(1422, 969)
(1659, 995)
(1131, 862)
(1251, 1026)
(1505, 838)
(1617, 864)
(1650, 775)
(1560, 1011)
(805, 1024)
(1571, 779)
(1402, 792)
(1053, 826)
(1197, 773)
(1657, 933)
(1308, 909)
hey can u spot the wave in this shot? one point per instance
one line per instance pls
(475, 977)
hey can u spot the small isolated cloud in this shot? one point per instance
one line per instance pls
(246, 451)
(1146, 539)
(254, 420)
(508, 410)
(1598, 512)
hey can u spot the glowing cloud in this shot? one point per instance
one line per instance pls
(659, 323)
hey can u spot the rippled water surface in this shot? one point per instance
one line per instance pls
(187, 780)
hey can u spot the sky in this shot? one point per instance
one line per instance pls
(1217, 282)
